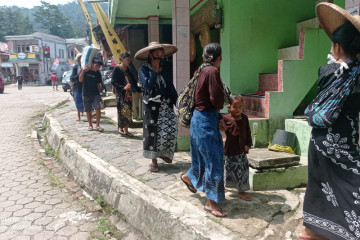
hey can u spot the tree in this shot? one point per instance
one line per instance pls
(53, 21)
(13, 22)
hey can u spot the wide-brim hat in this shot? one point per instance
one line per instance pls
(331, 17)
(143, 53)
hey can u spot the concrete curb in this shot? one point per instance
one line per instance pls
(155, 214)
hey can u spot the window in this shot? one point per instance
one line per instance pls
(19, 48)
(27, 48)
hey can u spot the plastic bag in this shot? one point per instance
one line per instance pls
(88, 54)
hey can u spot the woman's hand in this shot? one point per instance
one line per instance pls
(127, 87)
(222, 125)
(155, 64)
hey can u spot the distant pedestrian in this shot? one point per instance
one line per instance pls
(237, 145)
(77, 86)
(20, 80)
(159, 97)
(91, 79)
(54, 81)
(207, 152)
(125, 84)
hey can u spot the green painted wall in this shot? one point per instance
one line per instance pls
(298, 78)
(253, 32)
(136, 11)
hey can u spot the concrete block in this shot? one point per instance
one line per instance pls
(280, 178)
(302, 131)
(110, 101)
(263, 158)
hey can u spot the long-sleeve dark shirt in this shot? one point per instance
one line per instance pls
(209, 94)
(152, 87)
(238, 135)
(119, 81)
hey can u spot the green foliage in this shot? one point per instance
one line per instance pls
(53, 21)
(69, 19)
(104, 225)
(13, 22)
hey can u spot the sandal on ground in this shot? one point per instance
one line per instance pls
(90, 128)
(166, 159)
(244, 196)
(100, 129)
(129, 134)
(189, 186)
(121, 132)
(153, 168)
(216, 212)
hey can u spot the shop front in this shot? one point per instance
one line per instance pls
(26, 65)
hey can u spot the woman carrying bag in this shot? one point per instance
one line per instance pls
(332, 199)
(124, 83)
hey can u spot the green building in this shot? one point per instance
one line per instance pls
(271, 51)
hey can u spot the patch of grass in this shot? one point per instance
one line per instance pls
(82, 186)
(142, 180)
(48, 150)
(55, 181)
(104, 225)
(100, 200)
(87, 147)
(121, 216)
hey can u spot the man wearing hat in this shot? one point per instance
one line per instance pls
(91, 79)
(77, 86)
(332, 199)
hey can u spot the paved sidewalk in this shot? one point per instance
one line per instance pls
(35, 203)
(271, 214)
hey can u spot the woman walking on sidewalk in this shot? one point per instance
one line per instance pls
(332, 199)
(207, 168)
(159, 97)
(124, 83)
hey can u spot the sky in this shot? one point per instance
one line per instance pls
(30, 3)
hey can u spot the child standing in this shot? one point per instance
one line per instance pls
(237, 145)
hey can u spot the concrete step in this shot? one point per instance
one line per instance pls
(290, 53)
(268, 82)
(310, 23)
(263, 158)
(276, 170)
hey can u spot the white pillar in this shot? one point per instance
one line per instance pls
(181, 39)
(153, 29)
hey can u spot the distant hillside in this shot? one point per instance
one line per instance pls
(71, 10)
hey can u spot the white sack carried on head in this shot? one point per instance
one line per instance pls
(88, 54)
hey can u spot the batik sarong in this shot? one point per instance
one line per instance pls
(332, 199)
(207, 151)
(237, 172)
(124, 110)
(160, 129)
